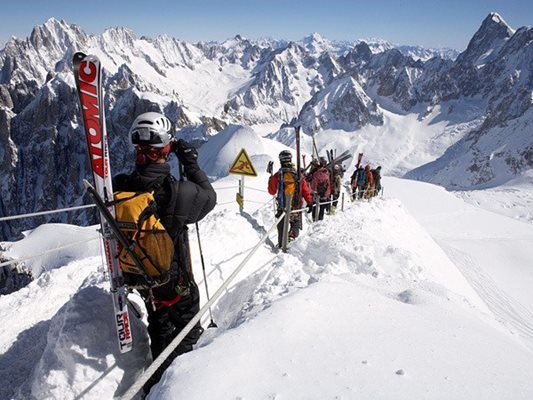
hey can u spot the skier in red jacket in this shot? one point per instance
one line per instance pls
(321, 186)
(284, 182)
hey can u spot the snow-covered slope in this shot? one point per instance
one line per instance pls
(369, 302)
(514, 199)
(491, 250)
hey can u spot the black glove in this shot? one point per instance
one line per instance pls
(270, 167)
(310, 207)
(185, 152)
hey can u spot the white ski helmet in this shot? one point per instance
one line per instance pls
(152, 129)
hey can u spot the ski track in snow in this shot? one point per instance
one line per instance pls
(483, 245)
(509, 311)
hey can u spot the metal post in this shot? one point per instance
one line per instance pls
(317, 207)
(241, 194)
(342, 202)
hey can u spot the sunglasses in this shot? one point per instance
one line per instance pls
(145, 135)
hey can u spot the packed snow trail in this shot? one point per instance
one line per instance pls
(365, 305)
(492, 251)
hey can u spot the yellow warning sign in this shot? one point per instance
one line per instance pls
(243, 165)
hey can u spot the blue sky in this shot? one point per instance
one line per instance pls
(431, 23)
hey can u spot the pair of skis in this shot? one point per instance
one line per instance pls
(88, 75)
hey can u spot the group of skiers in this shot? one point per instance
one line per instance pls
(320, 187)
(365, 182)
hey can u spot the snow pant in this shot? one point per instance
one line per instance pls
(166, 323)
(369, 192)
(335, 199)
(354, 193)
(323, 208)
(294, 225)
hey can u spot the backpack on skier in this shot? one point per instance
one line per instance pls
(321, 181)
(287, 186)
(287, 179)
(136, 216)
(361, 178)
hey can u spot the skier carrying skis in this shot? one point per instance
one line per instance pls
(369, 183)
(321, 187)
(284, 182)
(336, 183)
(376, 173)
(358, 181)
(172, 305)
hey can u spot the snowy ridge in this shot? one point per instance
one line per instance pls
(413, 51)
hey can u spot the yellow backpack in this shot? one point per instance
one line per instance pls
(135, 213)
(289, 181)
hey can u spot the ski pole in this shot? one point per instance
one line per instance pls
(212, 323)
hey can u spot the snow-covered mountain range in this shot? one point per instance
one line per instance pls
(469, 115)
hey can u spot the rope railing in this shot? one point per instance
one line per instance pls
(257, 190)
(46, 212)
(257, 202)
(227, 187)
(267, 203)
(156, 364)
(19, 260)
(225, 203)
(137, 386)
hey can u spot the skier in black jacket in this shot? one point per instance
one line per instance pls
(172, 305)
(376, 173)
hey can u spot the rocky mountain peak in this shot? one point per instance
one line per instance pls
(341, 105)
(119, 36)
(55, 35)
(495, 25)
(314, 39)
(315, 44)
(487, 41)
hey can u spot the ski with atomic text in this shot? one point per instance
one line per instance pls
(88, 75)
